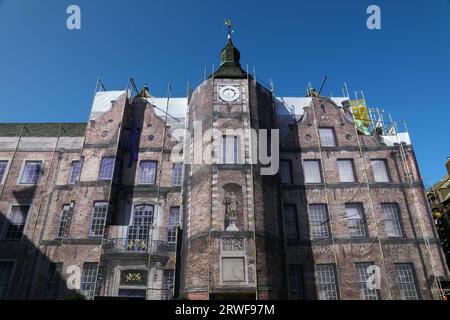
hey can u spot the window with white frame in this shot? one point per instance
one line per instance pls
(16, 222)
(177, 174)
(88, 279)
(168, 278)
(392, 222)
(52, 281)
(6, 269)
(295, 282)
(3, 166)
(363, 274)
(229, 149)
(139, 230)
(64, 221)
(107, 168)
(75, 171)
(346, 170)
(327, 283)
(318, 221)
(286, 171)
(147, 173)
(31, 172)
(291, 223)
(406, 282)
(174, 219)
(312, 171)
(380, 173)
(355, 220)
(327, 138)
(99, 215)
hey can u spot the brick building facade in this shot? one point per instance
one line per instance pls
(105, 209)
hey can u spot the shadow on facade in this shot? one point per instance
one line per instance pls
(27, 273)
(300, 258)
(124, 190)
(121, 192)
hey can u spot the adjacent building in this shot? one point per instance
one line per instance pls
(135, 204)
(439, 199)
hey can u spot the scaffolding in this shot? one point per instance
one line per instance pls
(380, 123)
(436, 289)
(374, 216)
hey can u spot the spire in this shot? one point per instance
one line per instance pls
(230, 66)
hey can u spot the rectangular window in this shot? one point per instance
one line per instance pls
(327, 137)
(363, 273)
(290, 217)
(177, 174)
(327, 284)
(75, 171)
(52, 281)
(6, 269)
(31, 172)
(168, 278)
(99, 214)
(230, 149)
(379, 169)
(16, 222)
(318, 221)
(3, 166)
(174, 220)
(106, 168)
(392, 223)
(312, 171)
(138, 231)
(355, 220)
(64, 222)
(405, 279)
(147, 173)
(346, 170)
(126, 138)
(295, 282)
(88, 279)
(286, 171)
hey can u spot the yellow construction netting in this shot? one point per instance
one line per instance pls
(361, 114)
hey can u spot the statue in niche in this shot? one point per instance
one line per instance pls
(231, 205)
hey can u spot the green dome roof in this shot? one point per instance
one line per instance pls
(230, 66)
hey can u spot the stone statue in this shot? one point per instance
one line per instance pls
(231, 205)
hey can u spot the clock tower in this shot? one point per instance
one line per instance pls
(233, 239)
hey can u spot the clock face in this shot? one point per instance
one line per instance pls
(229, 93)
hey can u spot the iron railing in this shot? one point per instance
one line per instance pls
(128, 245)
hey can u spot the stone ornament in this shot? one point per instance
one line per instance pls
(232, 244)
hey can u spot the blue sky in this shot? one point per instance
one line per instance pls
(48, 73)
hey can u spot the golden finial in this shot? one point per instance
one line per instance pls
(230, 29)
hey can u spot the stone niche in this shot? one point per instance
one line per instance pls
(232, 207)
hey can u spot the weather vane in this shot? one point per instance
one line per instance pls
(230, 29)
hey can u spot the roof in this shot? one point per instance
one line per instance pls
(443, 183)
(177, 106)
(293, 106)
(42, 129)
(103, 102)
(230, 66)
